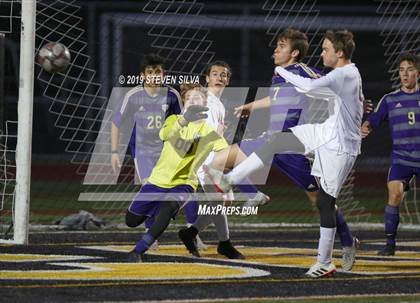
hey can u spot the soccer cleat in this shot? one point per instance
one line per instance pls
(388, 250)
(319, 270)
(259, 200)
(135, 257)
(188, 239)
(217, 178)
(226, 249)
(154, 246)
(200, 244)
(348, 257)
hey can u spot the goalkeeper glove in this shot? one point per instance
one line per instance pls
(194, 113)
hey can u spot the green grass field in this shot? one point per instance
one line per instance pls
(51, 200)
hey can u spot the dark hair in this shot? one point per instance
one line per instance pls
(219, 63)
(412, 58)
(151, 60)
(298, 41)
(192, 86)
(342, 41)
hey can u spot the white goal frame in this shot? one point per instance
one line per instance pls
(25, 115)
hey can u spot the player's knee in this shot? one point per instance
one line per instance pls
(326, 206)
(133, 220)
(312, 196)
(395, 197)
(396, 191)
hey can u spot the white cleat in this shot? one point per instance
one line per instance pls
(154, 246)
(200, 244)
(259, 200)
(348, 257)
(319, 270)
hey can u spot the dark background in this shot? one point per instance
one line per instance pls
(246, 48)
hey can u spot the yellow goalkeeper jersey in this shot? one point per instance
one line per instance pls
(184, 151)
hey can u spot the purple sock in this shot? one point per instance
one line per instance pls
(191, 211)
(144, 243)
(343, 230)
(392, 219)
(149, 222)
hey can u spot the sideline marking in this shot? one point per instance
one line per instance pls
(407, 262)
(19, 258)
(180, 282)
(135, 271)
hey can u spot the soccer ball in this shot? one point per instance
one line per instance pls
(54, 57)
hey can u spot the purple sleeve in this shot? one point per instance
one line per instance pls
(121, 111)
(174, 103)
(380, 114)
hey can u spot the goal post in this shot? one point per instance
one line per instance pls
(25, 112)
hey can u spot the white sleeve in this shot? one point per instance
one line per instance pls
(328, 85)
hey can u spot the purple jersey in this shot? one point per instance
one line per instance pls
(148, 114)
(402, 110)
(287, 104)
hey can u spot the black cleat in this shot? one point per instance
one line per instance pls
(388, 250)
(187, 237)
(135, 257)
(226, 249)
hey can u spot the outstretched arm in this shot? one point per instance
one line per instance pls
(325, 85)
(245, 110)
(171, 127)
(174, 123)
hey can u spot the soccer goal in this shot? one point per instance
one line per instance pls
(107, 40)
(24, 124)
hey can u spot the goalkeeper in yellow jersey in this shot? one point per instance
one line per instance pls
(188, 140)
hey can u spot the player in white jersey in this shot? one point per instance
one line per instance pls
(217, 77)
(335, 143)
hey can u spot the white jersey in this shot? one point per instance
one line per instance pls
(216, 118)
(341, 131)
(216, 112)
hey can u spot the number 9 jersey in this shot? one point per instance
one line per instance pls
(402, 110)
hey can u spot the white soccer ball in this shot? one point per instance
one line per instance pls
(54, 57)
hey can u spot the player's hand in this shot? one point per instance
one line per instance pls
(195, 112)
(115, 162)
(221, 129)
(365, 129)
(367, 106)
(242, 111)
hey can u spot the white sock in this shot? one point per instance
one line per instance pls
(326, 244)
(222, 227)
(245, 168)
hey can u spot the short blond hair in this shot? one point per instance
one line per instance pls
(190, 86)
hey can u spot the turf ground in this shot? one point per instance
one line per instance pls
(91, 266)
